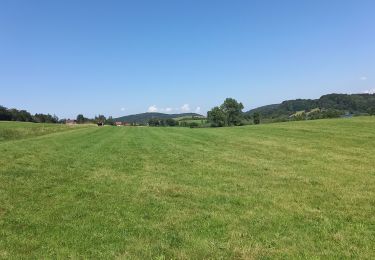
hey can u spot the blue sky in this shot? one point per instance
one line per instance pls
(125, 57)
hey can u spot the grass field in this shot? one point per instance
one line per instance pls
(286, 190)
(20, 130)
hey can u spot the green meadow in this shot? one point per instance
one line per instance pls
(285, 190)
(20, 130)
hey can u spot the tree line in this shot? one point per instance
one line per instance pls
(230, 114)
(227, 114)
(24, 116)
(327, 106)
(13, 114)
(162, 122)
(173, 122)
(81, 119)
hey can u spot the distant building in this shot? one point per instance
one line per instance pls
(118, 123)
(70, 122)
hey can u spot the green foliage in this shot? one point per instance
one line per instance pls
(81, 119)
(171, 122)
(233, 111)
(217, 117)
(41, 118)
(185, 121)
(24, 116)
(5, 114)
(100, 119)
(109, 121)
(371, 110)
(332, 105)
(228, 114)
(162, 122)
(154, 122)
(256, 118)
(193, 125)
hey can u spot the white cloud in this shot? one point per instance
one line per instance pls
(165, 110)
(369, 91)
(198, 110)
(363, 78)
(185, 108)
(152, 109)
(123, 109)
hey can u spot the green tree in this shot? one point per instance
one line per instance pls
(110, 121)
(171, 122)
(80, 119)
(371, 111)
(5, 114)
(100, 119)
(233, 111)
(256, 118)
(216, 117)
(153, 122)
(193, 125)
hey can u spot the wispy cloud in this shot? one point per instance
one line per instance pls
(152, 108)
(363, 78)
(369, 91)
(165, 110)
(185, 108)
(123, 109)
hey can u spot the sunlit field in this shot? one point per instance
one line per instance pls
(285, 190)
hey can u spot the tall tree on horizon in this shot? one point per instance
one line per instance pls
(233, 111)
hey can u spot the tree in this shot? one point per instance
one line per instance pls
(42, 118)
(153, 122)
(216, 117)
(233, 111)
(256, 118)
(20, 115)
(171, 122)
(110, 121)
(100, 119)
(5, 115)
(80, 119)
(193, 125)
(371, 111)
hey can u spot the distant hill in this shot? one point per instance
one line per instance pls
(344, 103)
(144, 117)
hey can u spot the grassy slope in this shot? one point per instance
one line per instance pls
(20, 130)
(298, 189)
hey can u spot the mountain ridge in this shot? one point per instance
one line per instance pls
(344, 103)
(143, 118)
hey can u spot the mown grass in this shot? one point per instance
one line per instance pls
(287, 190)
(20, 130)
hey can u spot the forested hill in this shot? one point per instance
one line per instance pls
(344, 103)
(144, 117)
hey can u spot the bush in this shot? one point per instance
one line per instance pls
(193, 125)
(256, 118)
